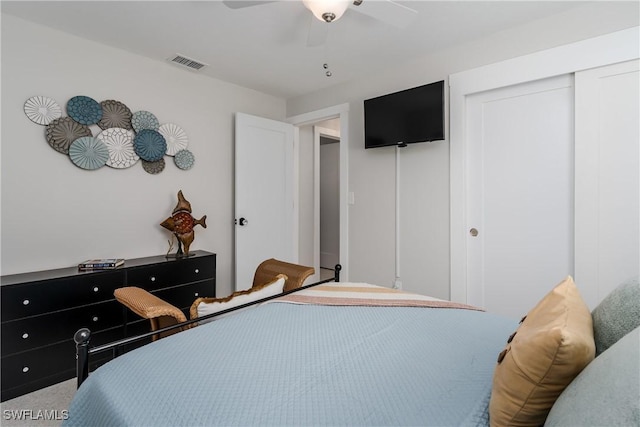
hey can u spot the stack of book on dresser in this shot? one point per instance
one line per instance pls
(100, 264)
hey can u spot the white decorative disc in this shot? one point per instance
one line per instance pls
(175, 137)
(119, 142)
(42, 110)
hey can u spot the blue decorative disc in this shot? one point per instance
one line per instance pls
(144, 120)
(88, 153)
(84, 110)
(184, 159)
(149, 145)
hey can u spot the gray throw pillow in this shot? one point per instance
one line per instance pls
(606, 392)
(616, 315)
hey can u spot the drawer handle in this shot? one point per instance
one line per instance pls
(95, 318)
(95, 289)
(197, 270)
(25, 369)
(196, 294)
(153, 279)
(25, 302)
(25, 336)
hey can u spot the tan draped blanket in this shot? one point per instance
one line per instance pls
(365, 294)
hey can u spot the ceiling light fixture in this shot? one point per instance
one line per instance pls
(327, 10)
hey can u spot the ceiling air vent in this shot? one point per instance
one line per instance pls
(187, 62)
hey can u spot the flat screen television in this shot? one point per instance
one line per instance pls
(405, 117)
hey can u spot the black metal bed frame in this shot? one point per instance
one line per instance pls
(83, 335)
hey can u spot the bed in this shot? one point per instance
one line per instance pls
(333, 354)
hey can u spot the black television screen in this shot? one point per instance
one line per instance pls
(405, 117)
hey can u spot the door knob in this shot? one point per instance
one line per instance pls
(243, 222)
(473, 232)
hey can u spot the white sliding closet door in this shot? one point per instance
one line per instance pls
(607, 178)
(602, 178)
(520, 193)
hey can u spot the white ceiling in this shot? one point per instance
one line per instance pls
(264, 47)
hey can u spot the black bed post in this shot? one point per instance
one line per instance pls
(336, 273)
(82, 338)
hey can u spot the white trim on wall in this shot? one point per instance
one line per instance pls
(595, 52)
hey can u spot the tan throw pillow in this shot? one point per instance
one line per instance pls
(548, 350)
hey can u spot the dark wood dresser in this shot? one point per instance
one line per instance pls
(42, 310)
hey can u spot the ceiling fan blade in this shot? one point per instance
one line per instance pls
(318, 32)
(239, 4)
(387, 11)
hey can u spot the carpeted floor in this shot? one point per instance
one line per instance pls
(45, 407)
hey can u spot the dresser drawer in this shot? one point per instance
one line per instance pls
(35, 298)
(21, 370)
(184, 296)
(171, 273)
(31, 365)
(34, 369)
(38, 331)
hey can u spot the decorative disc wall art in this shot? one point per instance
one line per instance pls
(42, 110)
(176, 138)
(119, 143)
(84, 110)
(149, 145)
(60, 133)
(115, 115)
(88, 153)
(125, 138)
(153, 167)
(184, 159)
(144, 120)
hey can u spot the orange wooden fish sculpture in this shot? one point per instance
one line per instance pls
(181, 223)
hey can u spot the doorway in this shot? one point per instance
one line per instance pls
(329, 123)
(327, 247)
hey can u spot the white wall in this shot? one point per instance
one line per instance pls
(55, 214)
(424, 175)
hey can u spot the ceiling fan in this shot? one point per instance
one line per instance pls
(327, 11)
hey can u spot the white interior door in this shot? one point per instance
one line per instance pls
(520, 193)
(607, 178)
(264, 195)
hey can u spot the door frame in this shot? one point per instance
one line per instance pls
(603, 50)
(342, 112)
(318, 132)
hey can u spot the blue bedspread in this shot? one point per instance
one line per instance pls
(295, 365)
